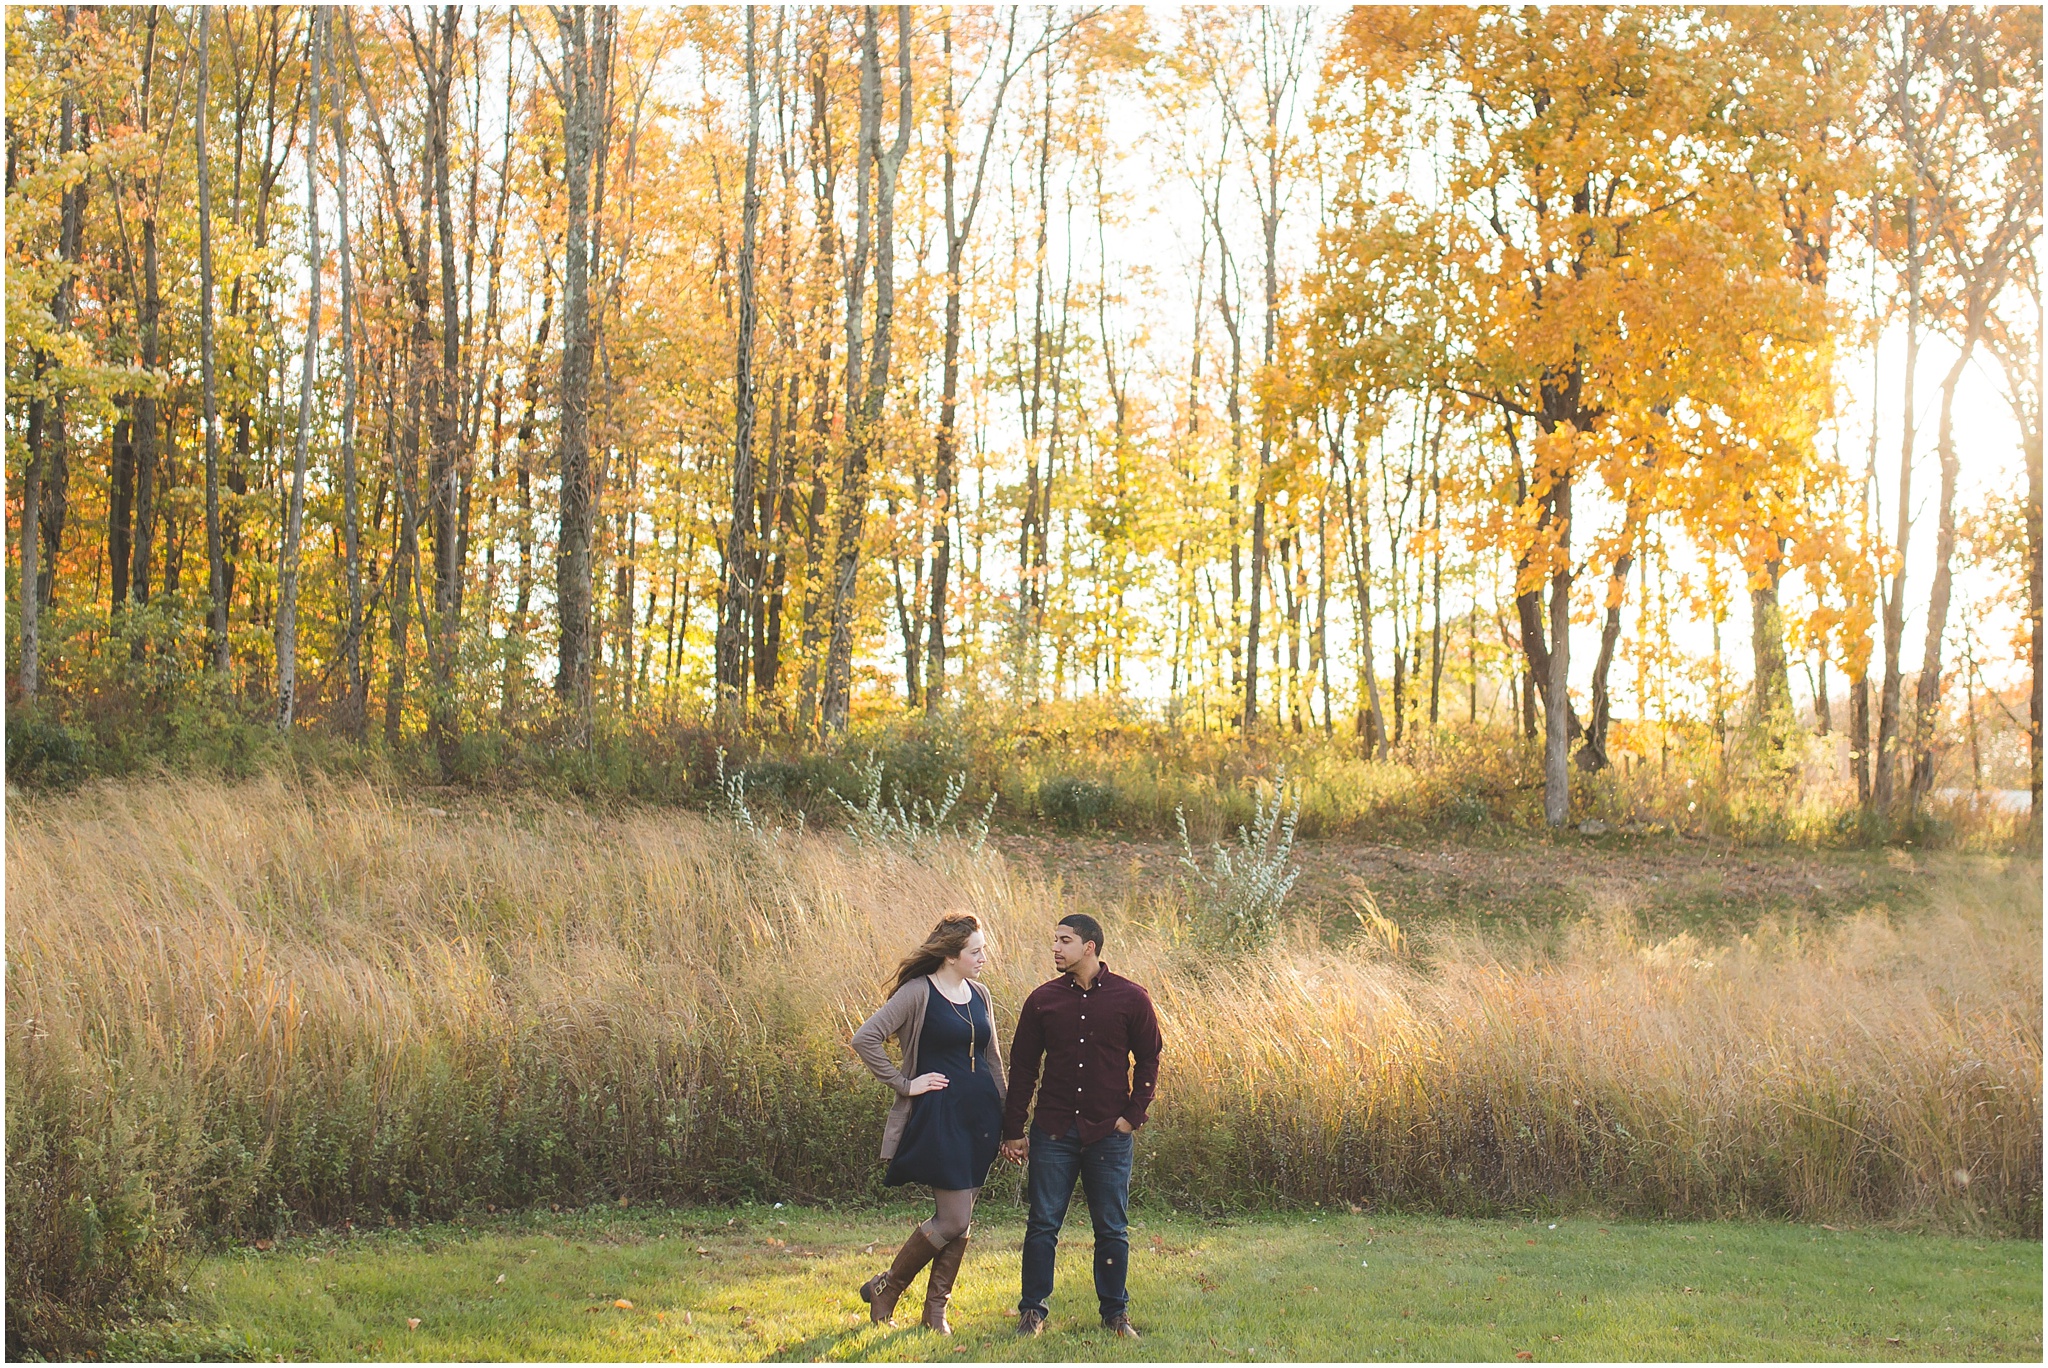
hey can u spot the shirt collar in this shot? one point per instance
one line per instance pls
(1102, 976)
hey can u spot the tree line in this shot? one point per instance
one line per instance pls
(551, 368)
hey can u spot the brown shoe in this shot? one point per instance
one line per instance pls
(882, 1291)
(939, 1284)
(1031, 1324)
(1120, 1326)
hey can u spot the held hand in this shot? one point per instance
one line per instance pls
(925, 1083)
(1123, 1127)
(1017, 1151)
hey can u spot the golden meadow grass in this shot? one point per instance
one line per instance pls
(230, 1006)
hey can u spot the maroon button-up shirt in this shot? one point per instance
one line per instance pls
(1100, 1050)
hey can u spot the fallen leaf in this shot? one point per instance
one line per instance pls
(623, 1304)
(1894, 1339)
(1532, 1242)
(263, 1244)
(1524, 1354)
(332, 1286)
(501, 1279)
(412, 1322)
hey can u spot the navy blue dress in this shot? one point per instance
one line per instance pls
(951, 1137)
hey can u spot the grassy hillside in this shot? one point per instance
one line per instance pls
(235, 1008)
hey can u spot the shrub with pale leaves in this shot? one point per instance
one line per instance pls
(1241, 895)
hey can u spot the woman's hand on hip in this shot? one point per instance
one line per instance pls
(925, 1083)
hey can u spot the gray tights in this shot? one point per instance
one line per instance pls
(956, 1209)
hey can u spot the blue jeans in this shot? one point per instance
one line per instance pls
(1104, 1169)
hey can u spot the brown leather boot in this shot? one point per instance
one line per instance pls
(882, 1291)
(939, 1286)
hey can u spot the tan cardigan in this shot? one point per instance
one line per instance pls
(902, 1016)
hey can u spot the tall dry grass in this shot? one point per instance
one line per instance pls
(234, 1005)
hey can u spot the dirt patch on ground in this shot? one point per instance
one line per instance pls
(1670, 882)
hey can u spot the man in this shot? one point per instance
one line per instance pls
(1098, 1038)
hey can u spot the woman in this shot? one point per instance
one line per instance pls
(947, 1122)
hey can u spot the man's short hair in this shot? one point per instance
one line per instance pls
(1086, 927)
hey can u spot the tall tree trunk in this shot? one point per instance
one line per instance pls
(295, 517)
(1927, 690)
(1593, 752)
(1359, 540)
(816, 553)
(586, 39)
(1557, 791)
(1772, 701)
(120, 511)
(1271, 225)
(1529, 612)
(1859, 736)
(56, 474)
(737, 608)
(216, 564)
(405, 561)
(1436, 567)
(31, 531)
(355, 711)
(443, 502)
(844, 558)
(148, 424)
(959, 225)
(778, 504)
(147, 419)
(867, 437)
(1887, 758)
(2030, 432)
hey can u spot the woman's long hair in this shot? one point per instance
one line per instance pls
(947, 939)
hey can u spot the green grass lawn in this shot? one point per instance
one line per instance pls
(763, 1283)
